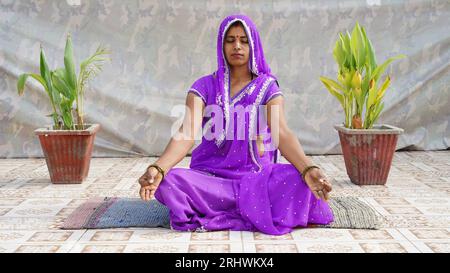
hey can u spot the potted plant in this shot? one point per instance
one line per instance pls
(68, 144)
(368, 148)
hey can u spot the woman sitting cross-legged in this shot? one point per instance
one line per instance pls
(234, 181)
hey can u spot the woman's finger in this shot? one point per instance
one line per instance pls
(321, 195)
(316, 194)
(326, 184)
(323, 179)
(326, 195)
(142, 193)
(148, 194)
(142, 181)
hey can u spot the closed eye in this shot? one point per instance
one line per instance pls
(231, 40)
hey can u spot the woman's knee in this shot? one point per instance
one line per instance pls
(173, 177)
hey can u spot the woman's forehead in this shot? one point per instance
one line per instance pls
(237, 30)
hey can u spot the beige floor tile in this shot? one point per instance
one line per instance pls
(434, 210)
(391, 201)
(8, 202)
(270, 247)
(329, 247)
(65, 212)
(389, 247)
(428, 201)
(45, 202)
(424, 246)
(8, 248)
(362, 234)
(258, 236)
(321, 235)
(417, 221)
(38, 248)
(402, 210)
(76, 202)
(98, 248)
(34, 211)
(416, 234)
(109, 235)
(439, 247)
(415, 203)
(44, 248)
(218, 236)
(157, 248)
(151, 235)
(26, 223)
(435, 234)
(219, 247)
(4, 211)
(56, 236)
(14, 236)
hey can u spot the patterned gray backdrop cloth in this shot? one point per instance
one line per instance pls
(161, 47)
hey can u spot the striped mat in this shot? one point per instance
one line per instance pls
(98, 213)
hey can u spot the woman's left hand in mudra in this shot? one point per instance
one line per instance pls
(318, 184)
(149, 182)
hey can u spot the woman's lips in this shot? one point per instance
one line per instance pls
(237, 56)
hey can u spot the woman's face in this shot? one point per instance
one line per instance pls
(236, 46)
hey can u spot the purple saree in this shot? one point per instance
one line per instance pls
(231, 184)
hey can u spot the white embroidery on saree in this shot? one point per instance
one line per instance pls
(249, 90)
(198, 93)
(221, 137)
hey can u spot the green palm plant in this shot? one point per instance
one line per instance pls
(357, 87)
(64, 88)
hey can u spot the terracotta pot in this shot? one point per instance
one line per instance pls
(368, 153)
(67, 152)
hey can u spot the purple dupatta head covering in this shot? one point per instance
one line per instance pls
(257, 62)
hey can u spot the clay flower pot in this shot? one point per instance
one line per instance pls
(368, 153)
(68, 152)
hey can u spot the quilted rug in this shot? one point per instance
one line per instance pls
(98, 213)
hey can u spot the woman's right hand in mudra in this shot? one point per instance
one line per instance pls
(149, 182)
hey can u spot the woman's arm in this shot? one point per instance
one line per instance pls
(287, 141)
(290, 147)
(178, 147)
(184, 139)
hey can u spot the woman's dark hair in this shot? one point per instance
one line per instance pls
(235, 24)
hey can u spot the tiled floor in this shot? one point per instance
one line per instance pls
(415, 202)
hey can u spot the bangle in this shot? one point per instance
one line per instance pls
(307, 169)
(160, 170)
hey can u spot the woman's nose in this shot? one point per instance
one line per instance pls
(237, 45)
